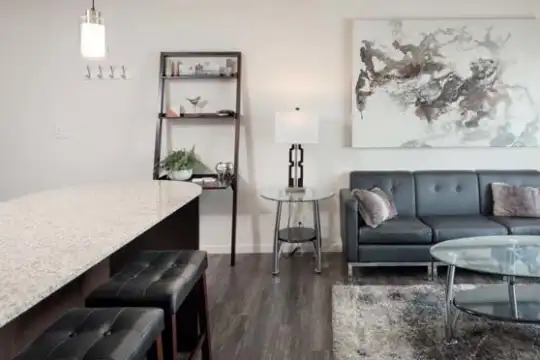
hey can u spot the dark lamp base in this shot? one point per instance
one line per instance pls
(295, 190)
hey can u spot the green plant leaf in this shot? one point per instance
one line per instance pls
(180, 160)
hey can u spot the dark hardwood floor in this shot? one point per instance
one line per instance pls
(256, 316)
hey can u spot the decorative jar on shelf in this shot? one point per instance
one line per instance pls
(181, 175)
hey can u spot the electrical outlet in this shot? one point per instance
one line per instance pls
(60, 131)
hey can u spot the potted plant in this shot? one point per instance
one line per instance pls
(179, 164)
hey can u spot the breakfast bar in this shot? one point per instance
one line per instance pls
(56, 246)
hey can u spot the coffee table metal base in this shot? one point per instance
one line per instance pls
(506, 302)
(449, 313)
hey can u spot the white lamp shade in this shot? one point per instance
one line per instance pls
(296, 127)
(93, 40)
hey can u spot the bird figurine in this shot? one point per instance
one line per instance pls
(194, 102)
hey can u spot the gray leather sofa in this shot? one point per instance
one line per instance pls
(432, 206)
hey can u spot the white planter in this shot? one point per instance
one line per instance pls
(181, 175)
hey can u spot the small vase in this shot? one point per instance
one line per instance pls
(181, 175)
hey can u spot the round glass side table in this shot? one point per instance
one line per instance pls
(299, 233)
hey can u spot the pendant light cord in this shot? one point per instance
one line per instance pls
(93, 5)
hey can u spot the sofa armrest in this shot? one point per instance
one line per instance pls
(348, 206)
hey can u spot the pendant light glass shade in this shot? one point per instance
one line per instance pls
(93, 35)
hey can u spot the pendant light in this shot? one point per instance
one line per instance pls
(93, 34)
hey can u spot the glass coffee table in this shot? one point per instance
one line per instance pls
(510, 256)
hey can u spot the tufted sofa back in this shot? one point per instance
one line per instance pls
(448, 192)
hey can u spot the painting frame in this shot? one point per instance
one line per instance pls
(445, 83)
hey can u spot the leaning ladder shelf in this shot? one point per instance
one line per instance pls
(237, 76)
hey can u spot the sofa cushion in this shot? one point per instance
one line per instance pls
(446, 193)
(399, 253)
(400, 230)
(519, 225)
(398, 184)
(454, 227)
(512, 177)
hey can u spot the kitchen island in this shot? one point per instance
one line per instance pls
(56, 246)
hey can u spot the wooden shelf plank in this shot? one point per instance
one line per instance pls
(200, 76)
(203, 54)
(198, 116)
(204, 186)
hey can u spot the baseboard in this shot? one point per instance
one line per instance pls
(260, 248)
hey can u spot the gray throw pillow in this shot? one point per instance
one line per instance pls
(375, 206)
(510, 200)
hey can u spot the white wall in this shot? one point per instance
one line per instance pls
(297, 52)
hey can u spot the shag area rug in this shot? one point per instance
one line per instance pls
(406, 323)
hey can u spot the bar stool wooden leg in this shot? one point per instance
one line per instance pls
(156, 351)
(174, 337)
(203, 320)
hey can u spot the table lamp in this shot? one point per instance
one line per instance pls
(296, 128)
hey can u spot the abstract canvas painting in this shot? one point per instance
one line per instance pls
(446, 83)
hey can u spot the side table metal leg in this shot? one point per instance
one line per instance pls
(318, 239)
(277, 243)
(448, 310)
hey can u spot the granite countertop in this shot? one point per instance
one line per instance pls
(47, 239)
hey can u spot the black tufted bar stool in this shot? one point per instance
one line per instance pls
(173, 281)
(99, 334)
